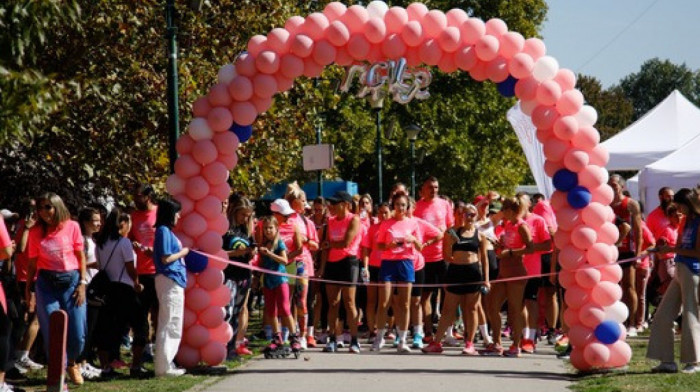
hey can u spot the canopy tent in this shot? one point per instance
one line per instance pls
(633, 186)
(680, 169)
(664, 129)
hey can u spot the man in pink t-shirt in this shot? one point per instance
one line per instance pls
(657, 220)
(438, 212)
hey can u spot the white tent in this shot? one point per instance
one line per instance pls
(680, 169)
(633, 186)
(664, 129)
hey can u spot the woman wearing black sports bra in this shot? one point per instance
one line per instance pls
(464, 249)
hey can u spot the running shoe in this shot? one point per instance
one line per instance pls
(389, 336)
(303, 344)
(665, 367)
(632, 332)
(469, 349)
(310, 341)
(493, 349)
(506, 332)
(118, 364)
(417, 340)
(513, 352)
(331, 347)
(691, 368)
(451, 341)
(378, 344)
(355, 348)
(403, 348)
(528, 346)
(243, 350)
(74, 375)
(433, 348)
(457, 335)
(340, 344)
(372, 336)
(28, 364)
(562, 340)
(89, 372)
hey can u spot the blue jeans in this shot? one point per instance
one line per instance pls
(54, 291)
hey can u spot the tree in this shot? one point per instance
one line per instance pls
(615, 110)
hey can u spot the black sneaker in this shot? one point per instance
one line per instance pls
(14, 375)
(109, 373)
(140, 372)
(147, 357)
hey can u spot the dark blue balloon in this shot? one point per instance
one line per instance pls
(507, 87)
(578, 197)
(608, 332)
(244, 132)
(196, 262)
(565, 180)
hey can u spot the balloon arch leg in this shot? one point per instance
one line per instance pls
(452, 41)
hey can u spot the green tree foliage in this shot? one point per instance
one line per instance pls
(84, 108)
(615, 110)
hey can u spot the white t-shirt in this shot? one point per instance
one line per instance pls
(116, 266)
(90, 257)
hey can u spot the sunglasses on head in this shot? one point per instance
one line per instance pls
(470, 215)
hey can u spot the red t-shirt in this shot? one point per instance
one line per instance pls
(427, 231)
(369, 241)
(545, 210)
(392, 229)
(5, 242)
(336, 232)
(307, 228)
(55, 251)
(438, 212)
(670, 234)
(538, 228)
(143, 231)
(657, 222)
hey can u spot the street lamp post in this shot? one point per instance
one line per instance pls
(412, 132)
(173, 114)
(377, 105)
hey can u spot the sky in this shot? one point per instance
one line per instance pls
(609, 39)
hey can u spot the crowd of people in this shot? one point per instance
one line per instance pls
(417, 274)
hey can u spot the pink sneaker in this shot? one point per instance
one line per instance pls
(432, 348)
(513, 352)
(469, 349)
(243, 350)
(492, 349)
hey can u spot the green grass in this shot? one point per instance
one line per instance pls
(638, 376)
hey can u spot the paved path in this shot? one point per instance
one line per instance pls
(391, 372)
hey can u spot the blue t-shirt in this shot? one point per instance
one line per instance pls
(690, 234)
(166, 244)
(272, 281)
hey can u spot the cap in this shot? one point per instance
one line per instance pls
(281, 207)
(495, 207)
(7, 214)
(340, 196)
(478, 199)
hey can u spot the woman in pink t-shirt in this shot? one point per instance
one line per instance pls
(372, 261)
(515, 242)
(665, 265)
(56, 252)
(398, 238)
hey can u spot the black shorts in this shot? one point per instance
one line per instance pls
(626, 255)
(345, 270)
(435, 274)
(374, 274)
(546, 262)
(469, 274)
(532, 287)
(493, 264)
(420, 279)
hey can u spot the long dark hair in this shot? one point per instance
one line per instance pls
(167, 209)
(110, 231)
(85, 215)
(689, 199)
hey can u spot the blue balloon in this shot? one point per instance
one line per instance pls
(196, 262)
(244, 132)
(608, 332)
(565, 180)
(578, 197)
(507, 87)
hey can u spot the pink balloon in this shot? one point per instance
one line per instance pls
(606, 293)
(375, 30)
(187, 205)
(580, 335)
(187, 356)
(511, 43)
(283, 84)
(551, 167)
(596, 354)
(324, 53)
(434, 22)
(334, 11)
(571, 258)
(197, 300)
(579, 361)
(465, 58)
(245, 65)
(526, 89)
(566, 127)
(479, 72)
(175, 184)
(548, 93)
(218, 95)
(267, 62)
(188, 317)
(228, 160)
(570, 102)
(199, 129)
(204, 152)
(534, 47)
(293, 24)
(583, 237)
(355, 18)
(196, 188)
(472, 30)
(603, 194)
(200, 107)
(497, 70)
(447, 63)
(395, 19)
(487, 47)
(210, 279)
(543, 135)
(196, 336)
(212, 317)
(375, 54)
(566, 79)
(209, 207)
(608, 233)
(337, 33)
(311, 68)
(393, 47)
(599, 254)
(416, 11)
(342, 57)
(264, 85)
(226, 142)
(263, 103)
(222, 334)
(412, 57)
(210, 241)
(575, 160)
(244, 113)
(558, 200)
(528, 107)
(555, 149)
(568, 218)
(412, 33)
(570, 316)
(291, 66)
(576, 297)
(590, 314)
(241, 88)
(220, 296)
(588, 278)
(599, 155)
(430, 52)
(222, 191)
(302, 45)
(220, 119)
(496, 27)
(194, 224)
(257, 44)
(594, 214)
(592, 176)
(456, 16)
(562, 238)
(278, 40)
(544, 117)
(219, 225)
(620, 354)
(449, 39)
(186, 240)
(218, 264)
(520, 65)
(213, 353)
(358, 46)
(611, 273)
(315, 26)
(586, 138)
(566, 279)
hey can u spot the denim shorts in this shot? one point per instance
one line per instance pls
(397, 271)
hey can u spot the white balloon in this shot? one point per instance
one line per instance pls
(199, 129)
(377, 8)
(545, 68)
(227, 73)
(617, 312)
(586, 116)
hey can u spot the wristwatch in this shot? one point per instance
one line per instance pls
(82, 281)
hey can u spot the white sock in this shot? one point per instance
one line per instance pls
(448, 332)
(418, 329)
(21, 354)
(526, 333)
(285, 334)
(381, 333)
(310, 331)
(533, 334)
(402, 336)
(484, 330)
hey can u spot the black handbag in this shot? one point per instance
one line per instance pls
(99, 286)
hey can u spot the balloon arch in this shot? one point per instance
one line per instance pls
(452, 41)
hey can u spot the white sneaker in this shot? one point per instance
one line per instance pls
(378, 344)
(451, 341)
(691, 368)
(665, 367)
(403, 348)
(4, 387)
(632, 332)
(302, 342)
(90, 372)
(28, 364)
(175, 372)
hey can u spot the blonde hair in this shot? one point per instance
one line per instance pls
(294, 192)
(61, 213)
(516, 204)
